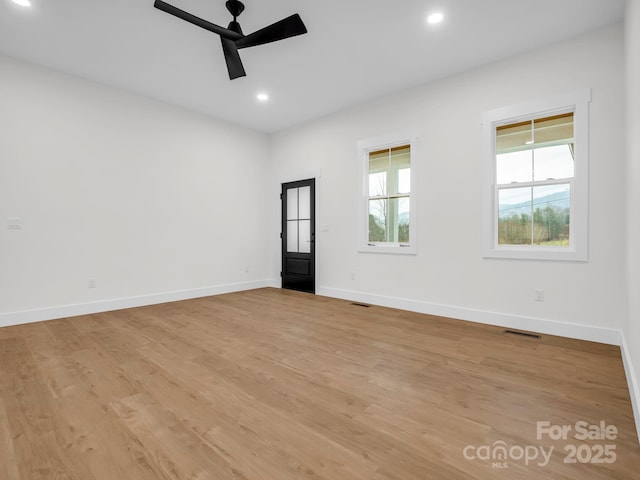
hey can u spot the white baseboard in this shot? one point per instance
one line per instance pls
(62, 311)
(633, 381)
(274, 283)
(590, 333)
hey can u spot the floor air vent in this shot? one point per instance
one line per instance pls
(360, 304)
(522, 334)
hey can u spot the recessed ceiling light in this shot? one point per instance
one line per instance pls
(22, 3)
(262, 97)
(434, 18)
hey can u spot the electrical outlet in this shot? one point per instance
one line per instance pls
(538, 295)
(91, 283)
(353, 275)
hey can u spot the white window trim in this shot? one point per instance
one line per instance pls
(577, 102)
(379, 143)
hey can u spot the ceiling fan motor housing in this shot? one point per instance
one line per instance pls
(235, 7)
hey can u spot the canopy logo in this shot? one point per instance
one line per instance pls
(499, 454)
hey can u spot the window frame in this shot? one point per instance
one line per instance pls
(365, 147)
(578, 103)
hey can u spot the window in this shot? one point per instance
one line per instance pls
(537, 158)
(388, 207)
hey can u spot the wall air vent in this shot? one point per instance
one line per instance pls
(522, 334)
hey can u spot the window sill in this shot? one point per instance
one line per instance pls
(394, 249)
(544, 253)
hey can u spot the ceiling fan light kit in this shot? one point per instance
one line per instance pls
(232, 37)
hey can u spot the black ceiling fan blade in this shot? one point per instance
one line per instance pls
(232, 57)
(288, 27)
(223, 32)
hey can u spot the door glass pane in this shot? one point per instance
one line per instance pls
(292, 236)
(304, 202)
(551, 215)
(292, 204)
(304, 236)
(514, 216)
(378, 220)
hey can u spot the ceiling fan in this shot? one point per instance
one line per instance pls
(232, 37)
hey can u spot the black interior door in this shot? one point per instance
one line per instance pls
(298, 235)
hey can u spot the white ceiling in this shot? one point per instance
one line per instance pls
(355, 51)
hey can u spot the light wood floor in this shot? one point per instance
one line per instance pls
(279, 385)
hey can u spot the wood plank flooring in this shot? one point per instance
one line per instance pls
(277, 385)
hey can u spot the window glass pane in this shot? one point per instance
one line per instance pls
(377, 184)
(514, 137)
(398, 220)
(514, 216)
(304, 202)
(551, 215)
(379, 161)
(404, 180)
(292, 204)
(400, 160)
(292, 236)
(553, 162)
(514, 167)
(401, 156)
(378, 220)
(555, 130)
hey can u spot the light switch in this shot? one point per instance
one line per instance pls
(14, 223)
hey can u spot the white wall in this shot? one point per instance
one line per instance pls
(144, 197)
(449, 275)
(631, 328)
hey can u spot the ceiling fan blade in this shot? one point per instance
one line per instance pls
(234, 64)
(289, 27)
(223, 32)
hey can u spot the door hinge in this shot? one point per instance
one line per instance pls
(281, 196)
(280, 273)
(280, 234)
